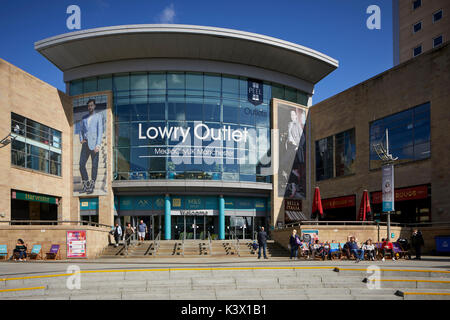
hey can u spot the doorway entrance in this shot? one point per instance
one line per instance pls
(154, 225)
(192, 227)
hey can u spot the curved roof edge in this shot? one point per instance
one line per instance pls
(55, 47)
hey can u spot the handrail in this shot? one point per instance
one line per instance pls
(210, 243)
(156, 243)
(182, 244)
(375, 223)
(54, 222)
(235, 241)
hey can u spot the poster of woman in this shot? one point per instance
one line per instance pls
(292, 152)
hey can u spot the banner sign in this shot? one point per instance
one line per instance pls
(76, 244)
(255, 92)
(404, 194)
(340, 202)
(293, 211)
(310, 235)
(33, 197)
(388, 187)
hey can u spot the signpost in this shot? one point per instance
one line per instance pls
(388, 195)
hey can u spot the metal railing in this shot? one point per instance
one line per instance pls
(156, 243)
(235, 241)
(182, 244)
(373, 223)
(54, 223)
(210, 243)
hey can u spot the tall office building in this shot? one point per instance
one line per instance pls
(418, 26)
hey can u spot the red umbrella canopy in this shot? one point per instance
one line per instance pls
(317, 204)
(364, 208)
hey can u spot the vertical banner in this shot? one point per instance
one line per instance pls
(76, 244)
(89, 145)
(388, 187)
(292, 151)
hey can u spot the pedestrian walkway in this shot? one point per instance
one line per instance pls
(181, 279)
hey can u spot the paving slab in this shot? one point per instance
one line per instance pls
(146, 296)
(214, 283)
(257, 283)
(177, 294)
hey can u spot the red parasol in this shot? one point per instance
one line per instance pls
(364, 208)
(317, 204)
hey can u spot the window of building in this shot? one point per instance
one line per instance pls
(342, 146)
(417, 50)
(35, 146)
(417, 27)
(417, 4)
(437, 16)
(437, 41)
(409, 135)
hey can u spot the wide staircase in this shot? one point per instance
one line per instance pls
(237, 283)
(191, 248)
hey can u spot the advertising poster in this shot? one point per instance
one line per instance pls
(388, 187)
(310, 235)
(76, 244)
(293, 211)
(292, 151)
(89, 145)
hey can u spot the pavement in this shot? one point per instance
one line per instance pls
(204, 278)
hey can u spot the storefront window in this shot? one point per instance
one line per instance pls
(409, 135)
(148, 105)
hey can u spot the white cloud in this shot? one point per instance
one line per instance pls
(168, 15)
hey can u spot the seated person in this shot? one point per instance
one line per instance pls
(316, 248)
(369, 247)
(326, 251)
(386, 247)
(305, 249)
(20, 250)
(354, 249)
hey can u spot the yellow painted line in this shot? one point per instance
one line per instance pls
(410, 280)
(397, 270)
(170, 269)
(428, 293)
(22, 289)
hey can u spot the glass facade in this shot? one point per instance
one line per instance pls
(180, 125)
(409, 135)
(343, 147)
(35, 146)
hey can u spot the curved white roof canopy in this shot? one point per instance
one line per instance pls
(95, 46)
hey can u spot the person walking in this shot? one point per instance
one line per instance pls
(262, 242)
(129, 231)
(417, 242)
(142, 230)
(294, 242)
(117, 234)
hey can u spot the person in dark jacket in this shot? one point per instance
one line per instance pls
(294, 242)
(417, 243)
(262, 242)
(20, 251)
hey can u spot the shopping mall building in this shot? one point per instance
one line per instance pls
(206, 131)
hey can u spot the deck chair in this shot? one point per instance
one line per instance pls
(36, 252)
(3, 251)
(334, 250)
(379, 251)
(399, 252)
(54, 252)
(343, 254)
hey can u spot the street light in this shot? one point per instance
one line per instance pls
(388, 166)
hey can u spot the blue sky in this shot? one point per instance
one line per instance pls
(334, 27)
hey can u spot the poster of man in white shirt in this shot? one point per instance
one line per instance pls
(89, 144)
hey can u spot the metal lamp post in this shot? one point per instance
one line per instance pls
(387, 178)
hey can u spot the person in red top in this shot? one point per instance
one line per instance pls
(386, 247)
